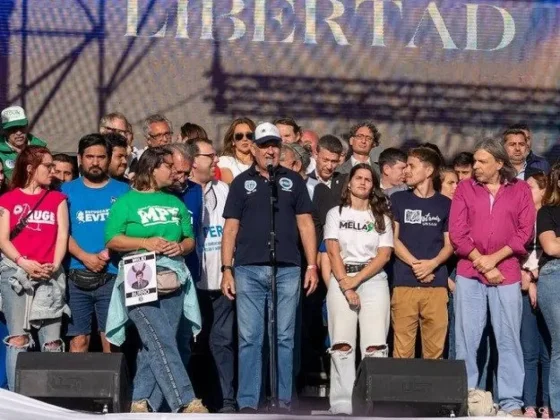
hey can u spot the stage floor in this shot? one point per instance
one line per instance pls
(18, 407)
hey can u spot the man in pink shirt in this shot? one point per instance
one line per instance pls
(492, 219)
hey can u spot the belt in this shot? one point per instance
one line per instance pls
(354, 268)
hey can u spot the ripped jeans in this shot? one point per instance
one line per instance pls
(373, 318)
(13, 306)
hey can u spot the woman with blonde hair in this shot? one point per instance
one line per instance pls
(237, 157)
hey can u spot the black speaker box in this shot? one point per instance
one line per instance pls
(410, 388)
(79, 381)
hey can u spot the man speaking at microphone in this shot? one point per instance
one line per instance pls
(247, 231)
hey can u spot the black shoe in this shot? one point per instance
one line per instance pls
(279, 410)
(227, 409)
(248, 410)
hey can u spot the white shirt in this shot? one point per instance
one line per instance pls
(521, 174)
(327, 183)
(311, 167)
(356, 234)
(209, 240)
(311, 184)
(235, 166)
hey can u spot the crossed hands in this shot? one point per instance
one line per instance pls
(486, 264)
(38, 271)
(163, 246)
(424, 269)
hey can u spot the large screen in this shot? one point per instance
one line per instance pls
(449, 72)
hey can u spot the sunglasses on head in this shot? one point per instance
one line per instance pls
(239, 136)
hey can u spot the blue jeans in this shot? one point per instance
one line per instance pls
(548, 291)
(83, 303)
(472, 300)
(160, 371)
(253, 287)
(13, 306)
(535, 341)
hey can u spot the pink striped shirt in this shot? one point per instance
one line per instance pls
(474, 222)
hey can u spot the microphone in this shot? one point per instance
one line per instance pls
(270, 168)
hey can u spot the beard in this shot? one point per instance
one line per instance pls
(96, 176)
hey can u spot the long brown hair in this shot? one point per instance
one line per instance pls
(228, 138)
(378, 201)
(552, 194)
(30, 155)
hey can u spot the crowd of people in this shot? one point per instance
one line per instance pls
(415, 256)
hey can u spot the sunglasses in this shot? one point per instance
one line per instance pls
(239, 136)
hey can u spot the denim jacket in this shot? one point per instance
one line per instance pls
(117, 318)
(43, 299)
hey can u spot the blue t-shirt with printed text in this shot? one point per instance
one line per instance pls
(422, 225)
(88, 209)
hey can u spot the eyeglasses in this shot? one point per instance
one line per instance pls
(209, 155)
(160, 136)
(182, 174)
(49, 166)
(239, 136)
(363, 136)
(116, 130)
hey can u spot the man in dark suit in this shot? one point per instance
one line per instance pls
(328, 191)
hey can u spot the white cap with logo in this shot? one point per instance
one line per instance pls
(267, 132)
(13, 116)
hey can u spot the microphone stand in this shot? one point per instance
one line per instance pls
(273, 309)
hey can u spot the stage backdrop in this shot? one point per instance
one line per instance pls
(446, 71)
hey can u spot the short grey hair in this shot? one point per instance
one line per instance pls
(105, 119)
(181, 149)
(301, 154)
(497, 150)
(154, 119)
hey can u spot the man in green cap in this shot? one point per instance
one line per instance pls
(14, 137)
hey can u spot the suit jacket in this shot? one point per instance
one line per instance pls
(325, 198)
(346, 167)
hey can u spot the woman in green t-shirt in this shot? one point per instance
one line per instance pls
(148, 218)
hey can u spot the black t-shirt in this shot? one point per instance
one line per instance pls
(249, 202)
(422, 224)
(548, 218)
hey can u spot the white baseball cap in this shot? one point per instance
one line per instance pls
(267, 132)
(13, 116)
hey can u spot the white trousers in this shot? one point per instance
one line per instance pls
(373, 318)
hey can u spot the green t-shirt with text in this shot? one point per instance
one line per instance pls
(147, 215)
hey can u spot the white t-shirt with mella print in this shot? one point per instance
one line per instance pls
(356, 234)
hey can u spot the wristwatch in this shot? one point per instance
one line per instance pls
(226, 267)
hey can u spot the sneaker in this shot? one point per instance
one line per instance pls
(545, 412)
(530, 412)
(195, 406)
(139, 407)
(248, 410)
